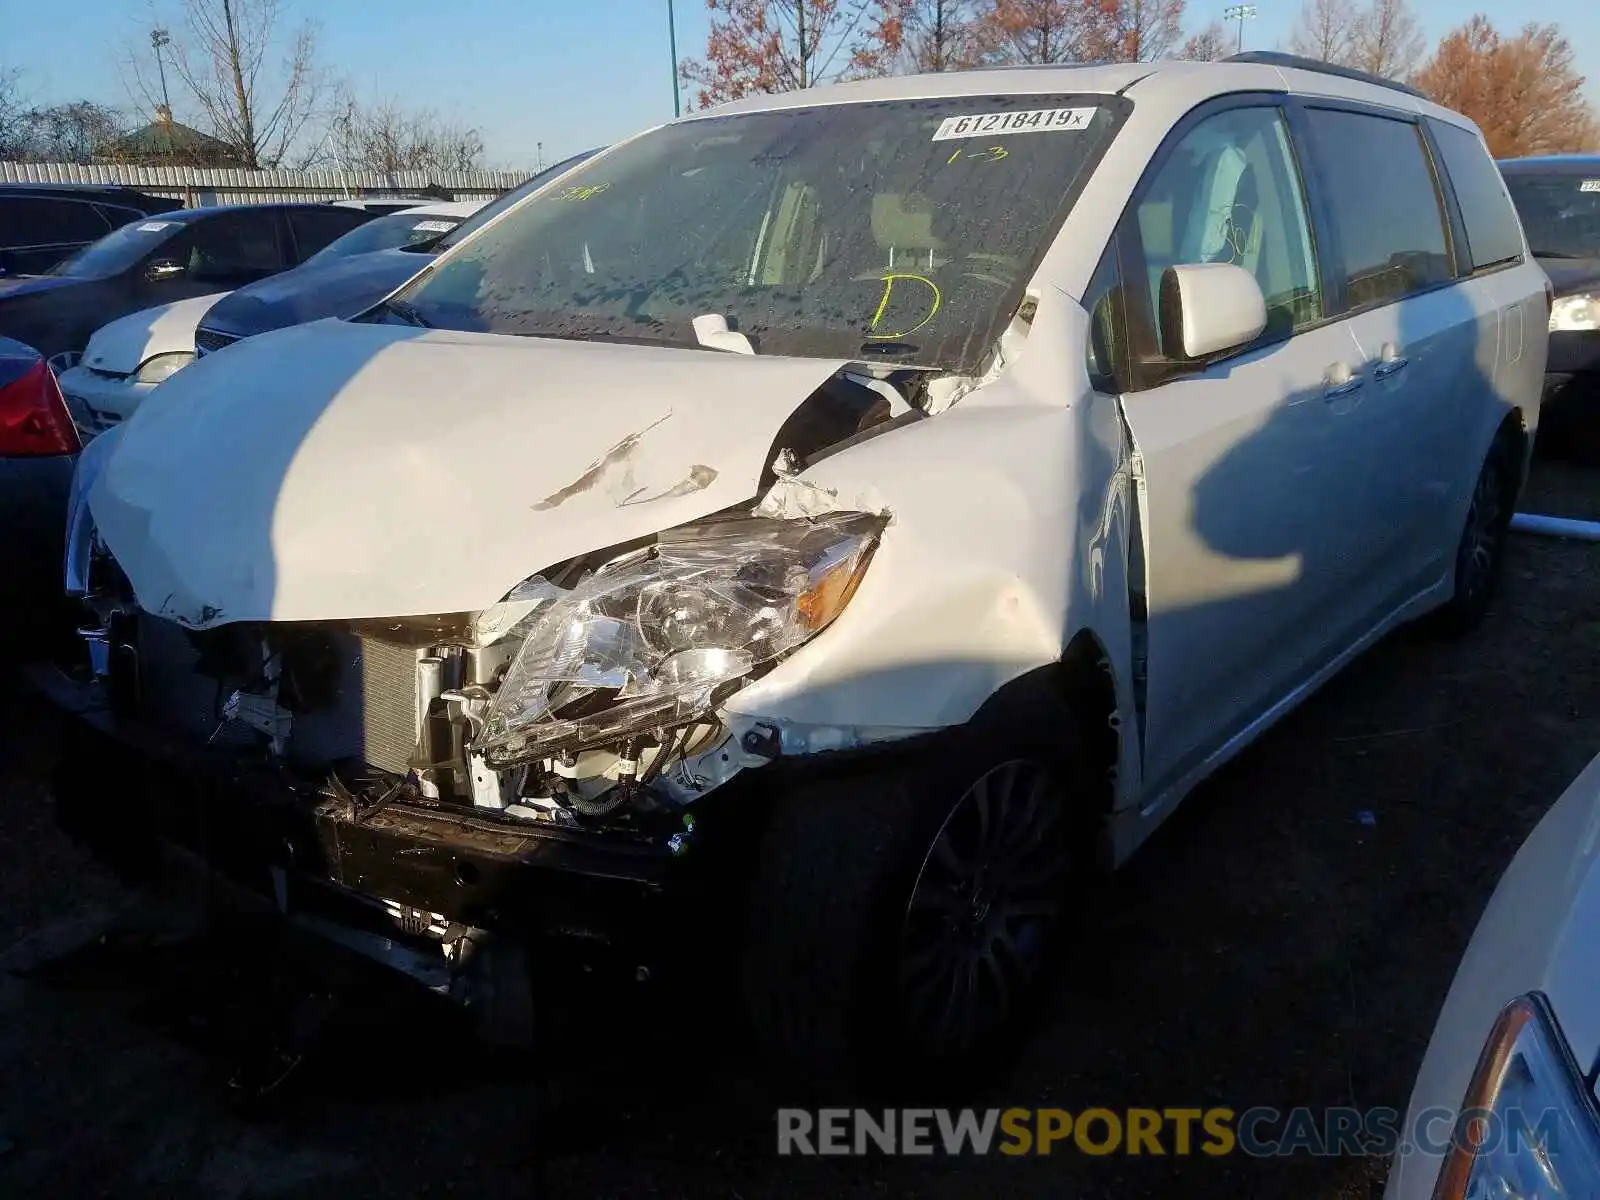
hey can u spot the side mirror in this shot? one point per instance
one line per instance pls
(1207, 308)
(161, 269)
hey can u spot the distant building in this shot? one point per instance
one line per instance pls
(168, 143)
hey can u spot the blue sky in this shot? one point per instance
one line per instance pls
(552, 72)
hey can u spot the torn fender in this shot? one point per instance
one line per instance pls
(1008, 535)
(337, 470)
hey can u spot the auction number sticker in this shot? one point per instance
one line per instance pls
(156, 226)
(1590, 185)
(1035, 120)
(433, 227)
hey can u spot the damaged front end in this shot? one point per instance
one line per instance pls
(466, 775)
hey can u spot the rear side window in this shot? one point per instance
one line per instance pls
(119, 216)
(1375, 175)
(1493, 238)
(314, 228)
(31, 221)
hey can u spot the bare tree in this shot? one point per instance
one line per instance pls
(12, 112)
(75, 132)
(1388, 40)
(1325, 30)
(255, 81)
(1524, 92)
(388, 137)
(941, 35)
(1211, 44)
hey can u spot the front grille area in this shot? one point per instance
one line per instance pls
(365, 709)
(207, 340)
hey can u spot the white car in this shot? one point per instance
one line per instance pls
(1505, 1102)
(128, 357)
(900, 494)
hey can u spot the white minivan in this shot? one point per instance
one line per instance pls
(886, 500)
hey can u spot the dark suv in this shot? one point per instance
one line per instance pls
(42, 223)
(187, 252)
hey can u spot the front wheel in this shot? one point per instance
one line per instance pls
(902, 921)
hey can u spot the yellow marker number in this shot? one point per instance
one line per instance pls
(582, 193)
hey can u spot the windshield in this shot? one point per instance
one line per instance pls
(502, 202)
(118, 250)
(901, 230)
(386, 233)
(1560, 213)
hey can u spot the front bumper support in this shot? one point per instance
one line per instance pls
(124, 787)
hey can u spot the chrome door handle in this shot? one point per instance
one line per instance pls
(1354, 384)
(1388, 367)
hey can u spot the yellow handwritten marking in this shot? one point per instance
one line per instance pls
(883, 305)
(582, 193)
(992, 154)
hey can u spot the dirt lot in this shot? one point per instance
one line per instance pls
(1285, 940)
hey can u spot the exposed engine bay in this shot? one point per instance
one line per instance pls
(587, 695)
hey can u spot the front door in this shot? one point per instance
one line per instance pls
(1245, 461)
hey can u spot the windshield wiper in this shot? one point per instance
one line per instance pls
(406, 312)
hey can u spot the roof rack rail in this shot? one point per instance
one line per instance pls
(1272, 58)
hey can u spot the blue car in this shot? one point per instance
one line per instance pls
(343, 286)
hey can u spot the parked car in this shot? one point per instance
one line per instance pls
(344, 288)
(38, 445)
(1558, 199)
(42, 223)
(128, 357)
(1519, 1033)
(381, 205)
(898, 494)
(187, 252)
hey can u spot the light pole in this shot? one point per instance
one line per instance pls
(158, 39)
(1240, 13)
(672, 42)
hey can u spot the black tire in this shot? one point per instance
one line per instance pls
(1480, 554)
(832, 933)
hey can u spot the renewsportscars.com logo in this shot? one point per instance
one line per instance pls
(1260, 1132)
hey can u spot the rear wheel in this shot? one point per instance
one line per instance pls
(902, 920)
(1481, 550)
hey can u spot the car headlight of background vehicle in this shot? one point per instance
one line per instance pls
(1543, 1138)
(1579, 314)
(652, 639)
(162, 366)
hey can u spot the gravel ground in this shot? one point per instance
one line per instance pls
(1285, 940)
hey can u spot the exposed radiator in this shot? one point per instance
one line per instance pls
(390, 720)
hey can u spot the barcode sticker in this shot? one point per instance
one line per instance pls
(156, 226)
(1035, 120)
(432, 227)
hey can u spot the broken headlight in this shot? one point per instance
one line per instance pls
(653, 639)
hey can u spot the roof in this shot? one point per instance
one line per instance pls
(107, 190)
(1174, 81)
(167, 140)
(1552, 164)
(211, 210)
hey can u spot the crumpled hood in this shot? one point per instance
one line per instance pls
(126, 342)
(335, 471)
(341, 288)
